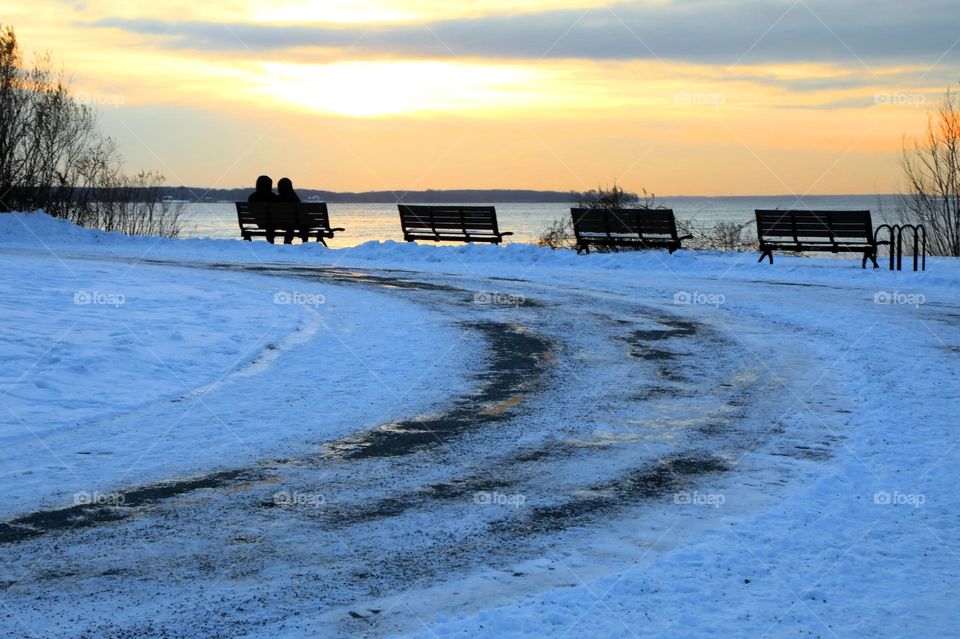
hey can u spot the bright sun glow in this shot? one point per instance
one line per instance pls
(370, 89)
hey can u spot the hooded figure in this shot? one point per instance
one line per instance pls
(264, 192)
(285, 192)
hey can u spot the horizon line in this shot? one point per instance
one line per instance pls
(532, 190)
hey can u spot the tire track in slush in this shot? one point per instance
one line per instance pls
(517, 360)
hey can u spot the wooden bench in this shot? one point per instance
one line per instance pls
(288, 219)
(632, 228)
(450, 223)
(827, 231)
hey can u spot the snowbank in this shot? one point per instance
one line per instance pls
(40, 231)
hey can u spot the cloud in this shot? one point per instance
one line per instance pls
(700, 31)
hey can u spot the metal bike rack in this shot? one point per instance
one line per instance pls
(896, 244)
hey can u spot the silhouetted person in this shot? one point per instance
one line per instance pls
(264, 192)
(285, 192)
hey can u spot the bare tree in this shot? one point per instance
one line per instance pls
(45, 135)
(53, 156)
(931, 167)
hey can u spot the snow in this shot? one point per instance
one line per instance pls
(836, 388)
(864, 545)
(88, 343)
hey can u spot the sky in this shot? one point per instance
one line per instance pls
(692, 97)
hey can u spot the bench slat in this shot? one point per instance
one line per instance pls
(450, 223)
(805, 230)
(637, 227)
(288, 219)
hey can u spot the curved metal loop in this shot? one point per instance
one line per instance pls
(895, 232)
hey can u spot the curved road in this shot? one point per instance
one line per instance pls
(590, 418)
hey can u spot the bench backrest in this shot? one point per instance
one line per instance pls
(837, 226)
(617, 222)
(302, 215)
(475, 220)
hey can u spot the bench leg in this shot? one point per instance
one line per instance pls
(767, 254)
(869, 256)
(270, 237)
(583, 249)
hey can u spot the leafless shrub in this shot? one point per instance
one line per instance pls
(560, 235)
(615, 197)
(133, 205)
(722, 236)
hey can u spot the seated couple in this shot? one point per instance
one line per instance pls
(264, 192)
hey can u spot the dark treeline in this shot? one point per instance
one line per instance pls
(479, 196)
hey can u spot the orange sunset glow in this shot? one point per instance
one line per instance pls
(676, 97)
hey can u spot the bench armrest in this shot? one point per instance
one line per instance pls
(506, 233)
(338, 229)
(685, 237)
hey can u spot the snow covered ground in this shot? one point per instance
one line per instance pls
(132, 372)
(218, 438)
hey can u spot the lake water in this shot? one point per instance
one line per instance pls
(366, 222)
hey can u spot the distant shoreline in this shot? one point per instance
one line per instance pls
(466, 196)
(488, 196)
